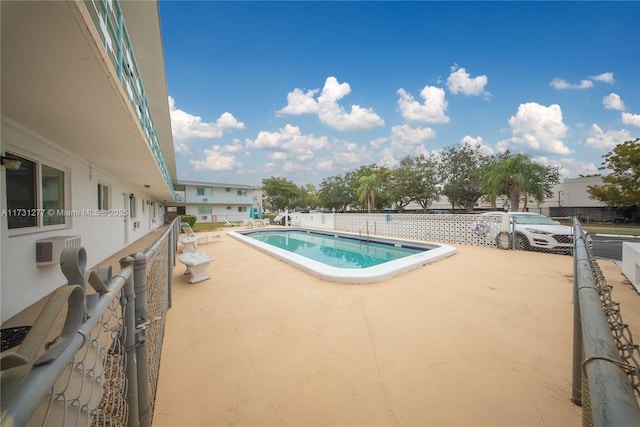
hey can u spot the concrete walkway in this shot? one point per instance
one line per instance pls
(481, 338)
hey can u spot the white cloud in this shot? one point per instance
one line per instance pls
(459, 81)
(477, 142)
(327, 108)
(432, 111)
(573, 167)
(325, 164)
(181, 148)
(378, 142)
(604, 77)
(405, 134)
(289, 142)
(631, 119)
(406, 139)
(601, 140)
(187, 126)
(350, 153)
(216, 159)
(557, 83)
(613, 102)
(299, 102)
(539, 128)
(387, 158)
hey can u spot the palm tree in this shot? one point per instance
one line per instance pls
(513, 177)
(369, 186)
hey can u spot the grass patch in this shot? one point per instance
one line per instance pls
(204, 226)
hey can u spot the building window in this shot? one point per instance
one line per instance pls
(35, 195)
(228, 208)
(228, 190)
(242, 192)
(200, 191)
(103, 197)
(242, 208)
(133, 213)
(204, 210)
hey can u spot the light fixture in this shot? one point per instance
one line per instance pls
(505, 205)
(131, 196)
(147, 186)
(11, 164)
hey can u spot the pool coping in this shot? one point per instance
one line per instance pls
(374, 274)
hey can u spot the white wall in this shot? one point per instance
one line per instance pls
(22, 283)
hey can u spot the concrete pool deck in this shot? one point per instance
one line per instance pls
(483, 337)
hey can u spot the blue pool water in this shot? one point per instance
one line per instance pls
(335, 251)
(343, 257)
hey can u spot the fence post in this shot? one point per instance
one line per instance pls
(140, 288)
(576, 390)
(171, 251)
(129, 314)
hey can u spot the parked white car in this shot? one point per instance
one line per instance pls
(535, 231)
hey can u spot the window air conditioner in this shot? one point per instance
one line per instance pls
(205, 217)
(48, 251)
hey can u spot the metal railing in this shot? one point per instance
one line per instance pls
(92, 357)
(606, 362)
(109, 22)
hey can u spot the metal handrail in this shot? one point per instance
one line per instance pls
(108, 21)
(612, 401)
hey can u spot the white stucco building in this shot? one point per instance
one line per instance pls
(85, 112)
(216, 202)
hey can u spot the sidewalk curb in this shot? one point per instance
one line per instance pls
(615, 235)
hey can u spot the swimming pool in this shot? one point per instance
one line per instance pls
(343, 257)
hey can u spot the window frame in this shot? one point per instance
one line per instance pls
(38, 208)
(104, 205)
(133, 206)
(205, 210)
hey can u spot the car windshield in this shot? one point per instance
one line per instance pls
(533, 219)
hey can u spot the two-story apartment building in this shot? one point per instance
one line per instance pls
(216, 202)
(86, 141)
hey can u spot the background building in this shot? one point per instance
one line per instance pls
(213, 202)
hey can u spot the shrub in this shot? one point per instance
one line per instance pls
(189, 219)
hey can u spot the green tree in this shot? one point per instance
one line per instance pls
(516, 177)
(426, 188)
(461, 168)
(621, 187)
(403, 183)
(280, 192)
(368, 190)
(309, 196)
(540, 183)
(384, 177)
(335, 193)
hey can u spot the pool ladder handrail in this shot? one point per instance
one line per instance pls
(366, 226)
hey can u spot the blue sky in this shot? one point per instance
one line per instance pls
(307, 90)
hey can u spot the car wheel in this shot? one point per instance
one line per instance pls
(522, 243)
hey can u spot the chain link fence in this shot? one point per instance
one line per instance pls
(606, 362)
(509, 231)
(79, 363)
